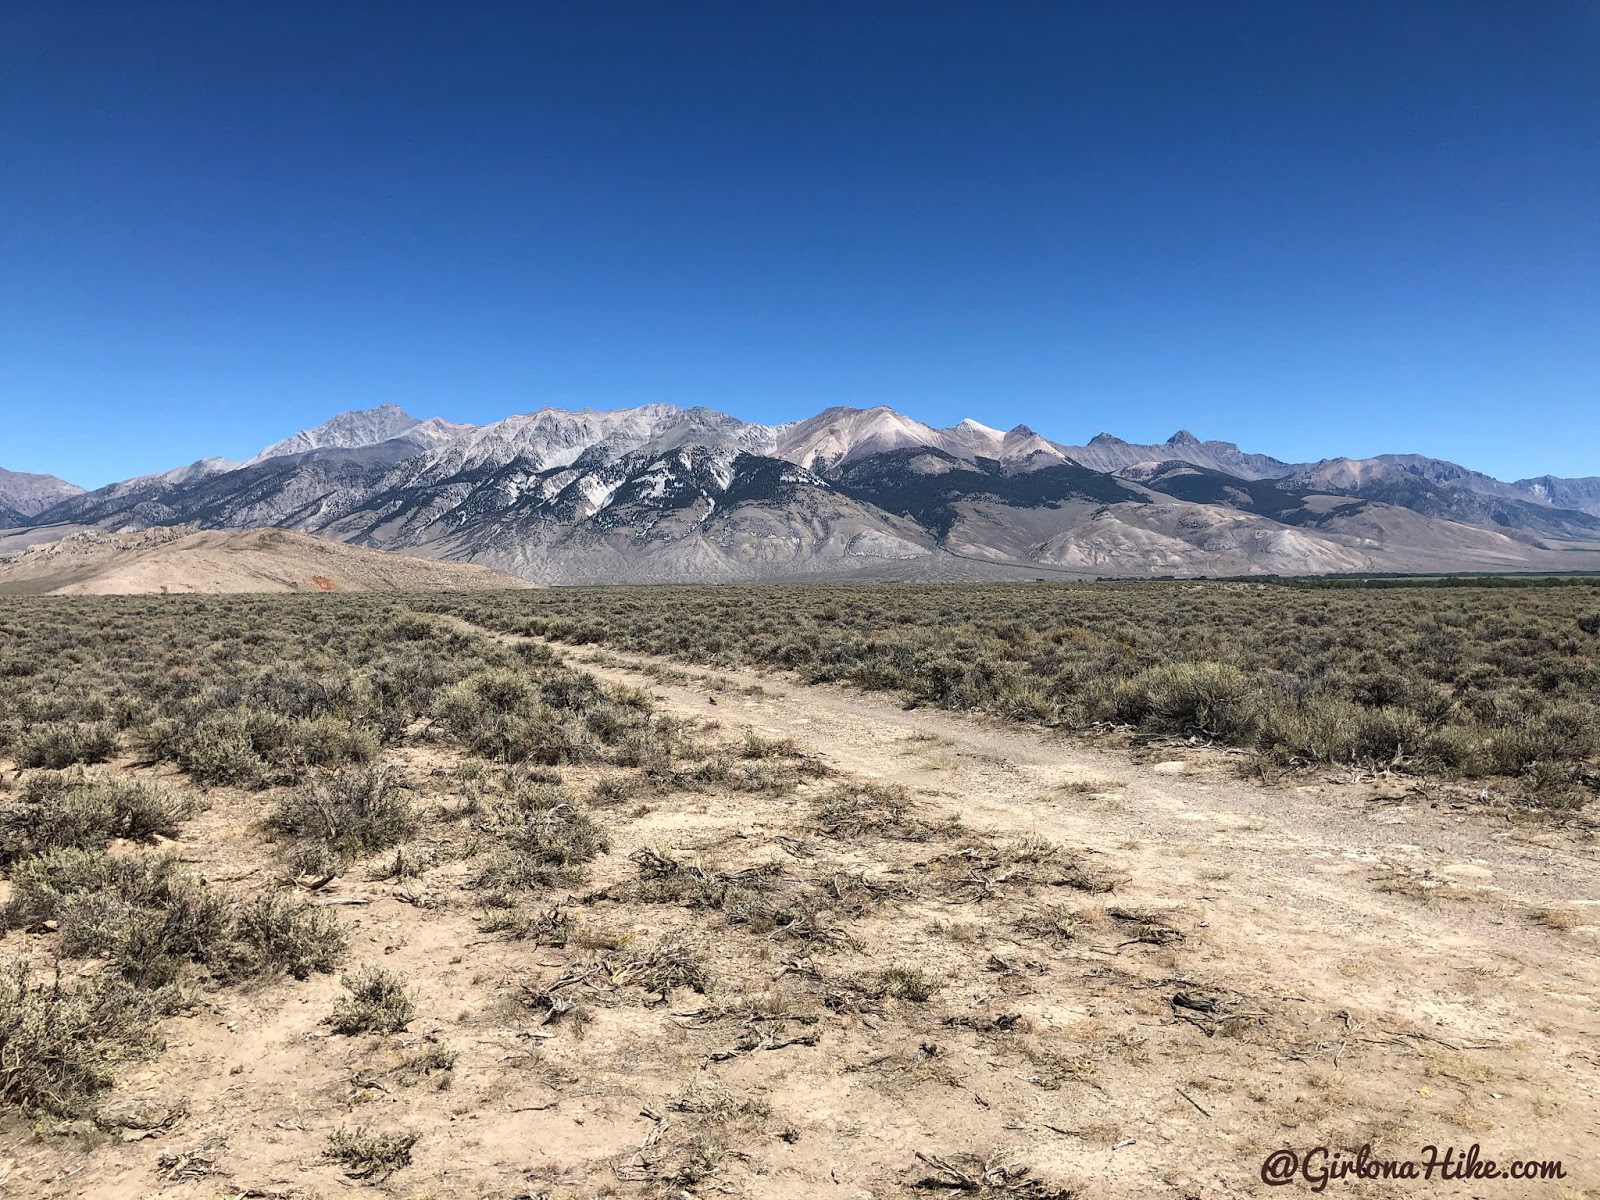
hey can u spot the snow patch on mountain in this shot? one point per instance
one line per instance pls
(1581, 494)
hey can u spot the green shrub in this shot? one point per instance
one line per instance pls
(163, 918)
(757, 745)
(148, 917)
(378, 1003)
(56, 812)
(220, 751)
(59, 744)
(1329, 730)
(502, 715)
(1462, 748)
(1563, 734)
(906, 983)
(1292, 669)
(329, 741)
(44, 886)
(649, 745)
(60, 1041)
(1211, 698)
(351, 813)
(279, 932)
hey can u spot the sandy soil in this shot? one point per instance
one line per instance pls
(1332, 964)
(186, 559)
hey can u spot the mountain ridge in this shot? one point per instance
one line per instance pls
(659, 492)
(24, 494)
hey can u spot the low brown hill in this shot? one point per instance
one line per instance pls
(186, 559)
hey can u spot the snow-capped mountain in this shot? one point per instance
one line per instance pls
(348, 430)
(658, 493)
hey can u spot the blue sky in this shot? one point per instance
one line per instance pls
(1310, 228)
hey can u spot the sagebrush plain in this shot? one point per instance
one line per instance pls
(1026, 890)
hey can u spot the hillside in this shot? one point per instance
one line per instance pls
(186, 559)
(24, 495)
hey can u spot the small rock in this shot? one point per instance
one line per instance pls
(1466, 871)
(1171, 768)
(146, 1113)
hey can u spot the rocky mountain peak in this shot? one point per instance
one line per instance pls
(347, 431)
(23, 494)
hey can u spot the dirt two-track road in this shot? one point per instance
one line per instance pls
(1113, 978)
(1432, 976)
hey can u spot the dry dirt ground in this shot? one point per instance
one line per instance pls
(1329, 964)
(187, 559)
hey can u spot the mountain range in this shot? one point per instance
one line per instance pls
(660, 493)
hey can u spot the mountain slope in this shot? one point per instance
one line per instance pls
(1405, 487)
(1111, 454)
(691, 513)
(927, 486)
(24, 496)
(1580, 494)
(359, 427)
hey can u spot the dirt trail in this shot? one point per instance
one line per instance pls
(1328, 965)
(1417, 919)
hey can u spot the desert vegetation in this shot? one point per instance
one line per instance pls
(482, 786)
(1470, 681)
(306, 893)
(122, 720)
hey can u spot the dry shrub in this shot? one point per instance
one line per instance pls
(370, 1157)
(998, 1174)
(543, 834)
(978, 869)
(378, 1003)
(59, 744)
(70, 811)
(351, 813)
(881, 809)
(659, 970)
(61, 1041)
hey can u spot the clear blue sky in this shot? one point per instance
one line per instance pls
(1311, 227)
